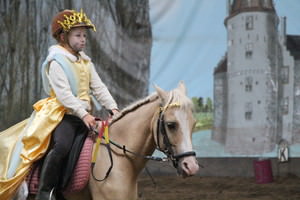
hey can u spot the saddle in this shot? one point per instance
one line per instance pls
(74, 182)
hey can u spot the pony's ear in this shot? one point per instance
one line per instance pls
(181, 87)
(161, 93)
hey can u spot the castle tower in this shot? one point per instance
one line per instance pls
(252, 76)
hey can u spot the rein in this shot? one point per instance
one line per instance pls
(103, 134)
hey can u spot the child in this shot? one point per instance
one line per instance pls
(69, 78)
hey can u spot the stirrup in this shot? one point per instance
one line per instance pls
(51, 194)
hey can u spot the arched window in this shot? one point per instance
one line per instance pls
(248, 84)
(249, 50)
(248, 111)
(249, 22)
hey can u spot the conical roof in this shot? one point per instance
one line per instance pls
(238, 6)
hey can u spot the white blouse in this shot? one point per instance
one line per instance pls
(60, 84)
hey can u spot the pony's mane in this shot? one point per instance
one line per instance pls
(132, 107)
(175, 95)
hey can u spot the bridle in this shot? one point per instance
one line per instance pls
(161, 129)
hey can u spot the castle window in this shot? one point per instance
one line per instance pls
(249, 22)
(248, 84)
(248, 111)
(249, 50)
(285, 74)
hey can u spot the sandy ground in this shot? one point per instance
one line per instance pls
(218, 188)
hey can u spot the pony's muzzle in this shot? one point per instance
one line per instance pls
(188, 166)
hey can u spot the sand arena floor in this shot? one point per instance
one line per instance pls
(218, 188)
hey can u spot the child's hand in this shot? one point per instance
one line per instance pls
(89, 121)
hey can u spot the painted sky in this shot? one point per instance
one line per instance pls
(189, 39)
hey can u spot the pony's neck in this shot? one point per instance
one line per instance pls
(134, 131)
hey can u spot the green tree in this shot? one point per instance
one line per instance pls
(196, 104)
(209, 105)
(200, 103)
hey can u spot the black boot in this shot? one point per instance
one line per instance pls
(49, 177)
(60, 196)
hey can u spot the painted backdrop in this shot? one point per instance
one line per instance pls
(201, 42)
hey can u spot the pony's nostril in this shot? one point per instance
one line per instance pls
(186, 166)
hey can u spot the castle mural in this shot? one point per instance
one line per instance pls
(257, 82)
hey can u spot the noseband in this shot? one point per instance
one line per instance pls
(161, 129)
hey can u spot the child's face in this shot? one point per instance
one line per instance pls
(77, 38)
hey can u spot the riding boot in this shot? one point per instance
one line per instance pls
(60, 196)
(49, 177)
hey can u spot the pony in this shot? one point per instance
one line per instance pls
(164, 121)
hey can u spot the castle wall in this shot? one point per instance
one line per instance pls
(252, 74)
(286, 108)
(296, 113)
(220, 111)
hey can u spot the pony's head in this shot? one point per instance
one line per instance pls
(173, 129)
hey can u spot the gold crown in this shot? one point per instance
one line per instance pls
(77, 19)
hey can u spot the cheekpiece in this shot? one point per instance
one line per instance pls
(77, 19)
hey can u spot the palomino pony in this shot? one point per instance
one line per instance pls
(164, 121)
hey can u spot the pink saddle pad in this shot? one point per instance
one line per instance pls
(80, 175)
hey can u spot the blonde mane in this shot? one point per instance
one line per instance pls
(132, 107)
(175, 95)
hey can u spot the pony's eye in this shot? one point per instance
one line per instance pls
(172, 126)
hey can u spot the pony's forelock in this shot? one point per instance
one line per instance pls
(179, 97)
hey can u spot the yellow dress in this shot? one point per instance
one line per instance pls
(34, 135)
(48, 113)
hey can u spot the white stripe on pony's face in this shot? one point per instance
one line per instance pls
(188, 166)
(186, 129)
